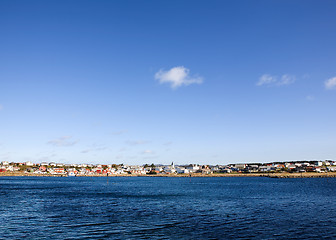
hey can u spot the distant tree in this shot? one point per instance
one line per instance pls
(152, 166)
(152, 172)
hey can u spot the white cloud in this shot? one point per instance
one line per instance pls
(271, 80)
(330, 83)
(147, 152)
(266, 79)
(177, 77)
(286, 79)
(64, 141)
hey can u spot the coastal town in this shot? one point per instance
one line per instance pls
(60, 169)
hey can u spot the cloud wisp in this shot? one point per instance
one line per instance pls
(271, 80)
(65, 141)
(168, 143)
(330, 84)
(138, 142)
(46, 158)
(310, 98)
(94, 148)
(177, 77)
(286, 79)
(119, 132)
(147, 152)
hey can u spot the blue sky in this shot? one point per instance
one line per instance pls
(138, 82)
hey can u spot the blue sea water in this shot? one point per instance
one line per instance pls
(167, 208)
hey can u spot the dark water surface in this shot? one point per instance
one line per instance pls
(167, 208)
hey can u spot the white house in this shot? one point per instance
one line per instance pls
(10, 168)
(182, 170)
(240, 166)
(193, 168)
(169, 170)
(5, 163)
(29, 164)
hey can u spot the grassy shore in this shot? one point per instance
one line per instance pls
(270, 175)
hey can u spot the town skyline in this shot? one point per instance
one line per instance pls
(60, 169)
(158, 81)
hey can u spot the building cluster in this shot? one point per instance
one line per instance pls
(297, 166)
(53, 168)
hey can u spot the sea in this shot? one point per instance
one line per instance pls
(167, 208)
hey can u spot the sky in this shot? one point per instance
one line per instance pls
(135, 82)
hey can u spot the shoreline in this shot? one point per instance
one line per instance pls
(269, 175)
